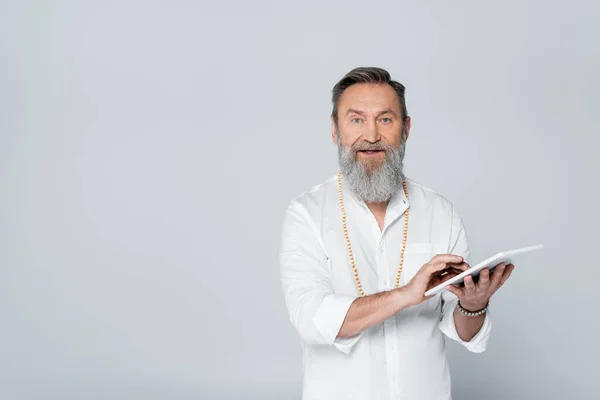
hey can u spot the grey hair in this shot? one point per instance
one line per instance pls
(373, 186)
(367, 75)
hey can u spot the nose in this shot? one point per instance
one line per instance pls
(371, 132)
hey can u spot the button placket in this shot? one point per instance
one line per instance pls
(392, 357)
(382, 265)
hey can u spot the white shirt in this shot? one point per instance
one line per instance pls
(402, 358)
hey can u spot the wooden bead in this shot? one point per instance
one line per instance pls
(404, 237)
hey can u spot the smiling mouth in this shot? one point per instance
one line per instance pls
(370, 151)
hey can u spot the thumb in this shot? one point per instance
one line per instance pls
(454, 290)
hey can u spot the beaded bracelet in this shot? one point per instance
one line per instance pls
(468, 313)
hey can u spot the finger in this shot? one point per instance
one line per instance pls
(454, 269)
(446, 277)
(461, 267)
(434, 267)
(458, 292)
(440, 266)
(484, 278)
(497, 274)
(509, 269)
(447, 258)
(469, 284)
(451, 270)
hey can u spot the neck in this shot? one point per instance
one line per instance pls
(377, 207)
(378, 210)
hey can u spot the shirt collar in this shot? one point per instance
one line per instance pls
(397, 205)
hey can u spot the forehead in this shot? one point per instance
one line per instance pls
(369, 97)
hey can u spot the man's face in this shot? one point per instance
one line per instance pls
(370, 123)
(370, 141)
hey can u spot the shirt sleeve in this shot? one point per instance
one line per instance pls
(316, 312)
(460, 246)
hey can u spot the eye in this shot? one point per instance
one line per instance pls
(386, 120)
(355, 120)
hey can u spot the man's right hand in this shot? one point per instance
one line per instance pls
(441, 268)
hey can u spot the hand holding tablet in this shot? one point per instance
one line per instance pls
(507, 257)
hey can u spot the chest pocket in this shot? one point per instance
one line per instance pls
(415, 256)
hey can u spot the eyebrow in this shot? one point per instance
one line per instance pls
(386, 111)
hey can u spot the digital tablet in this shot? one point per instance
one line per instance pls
(508, 257)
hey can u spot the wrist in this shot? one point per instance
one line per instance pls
(401, 298)
(473, 306)
(472, 310)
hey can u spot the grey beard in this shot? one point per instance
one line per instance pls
(377, 186)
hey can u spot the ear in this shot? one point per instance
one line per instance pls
(333, 135)
(407, 124)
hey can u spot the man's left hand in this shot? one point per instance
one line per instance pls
(475, 296)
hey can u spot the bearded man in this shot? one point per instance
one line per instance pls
(359, 251)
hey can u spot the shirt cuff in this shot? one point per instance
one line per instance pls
(478, 343)
(329, 319)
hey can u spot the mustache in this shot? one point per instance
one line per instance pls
(370, 146)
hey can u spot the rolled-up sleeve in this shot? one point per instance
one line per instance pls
(460, 246)
(478, 343)
(316, 312)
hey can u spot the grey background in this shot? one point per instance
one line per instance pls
(148, 151)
